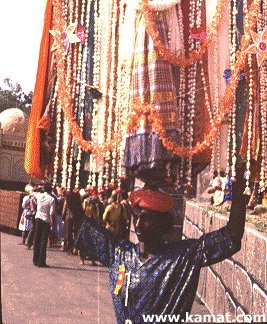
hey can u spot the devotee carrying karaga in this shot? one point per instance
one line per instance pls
(155, 277)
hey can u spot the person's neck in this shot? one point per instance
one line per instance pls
(151, 247)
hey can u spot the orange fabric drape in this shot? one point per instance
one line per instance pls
(33, 142)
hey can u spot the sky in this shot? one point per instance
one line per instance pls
(21, 23)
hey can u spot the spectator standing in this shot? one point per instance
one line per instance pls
(91, 212)
(25, 223)
(43, 222)
(31, 208)
(59, 209)
(112, 216)
(73, 217)
(100, 208)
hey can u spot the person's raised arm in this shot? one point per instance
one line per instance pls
(64, 210)
(223, 243)
(24, 201)
(52, 213)
(237, 219)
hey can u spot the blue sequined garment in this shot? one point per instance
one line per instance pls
(165, 283)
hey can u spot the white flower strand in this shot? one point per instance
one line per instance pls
(77, 57)
(120, 102)
(96, 80)
(113, 113)
(229, 130)
(58, 133)
(105, 15)
(194, 19)
(263, 112)
(181, 100)
(250, 122)
(112, 70)
(70, 167)
(263, 107)
(233, 112)
(66, 127)
(127, 98)
(82, 61)
(217, 145)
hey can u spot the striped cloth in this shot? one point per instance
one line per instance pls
(153, 81)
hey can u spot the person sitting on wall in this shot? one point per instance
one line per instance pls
(219, 189)
(155, 277)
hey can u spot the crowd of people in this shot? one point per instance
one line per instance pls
(52, 216)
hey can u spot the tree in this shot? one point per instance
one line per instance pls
(14, 97)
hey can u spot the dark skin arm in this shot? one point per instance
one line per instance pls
(64, 209)
(237, 219)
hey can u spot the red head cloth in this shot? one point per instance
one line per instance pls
(94, 192)
(152, 200)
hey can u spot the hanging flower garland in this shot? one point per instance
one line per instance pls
(64, 91)
(233, 45)
(195, 55)
(154, 118)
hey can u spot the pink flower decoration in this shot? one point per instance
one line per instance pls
(259, 46)
(81, 33)
(198, 33)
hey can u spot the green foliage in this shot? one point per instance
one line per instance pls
(12, 96)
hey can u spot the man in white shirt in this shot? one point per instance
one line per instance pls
(43, 221)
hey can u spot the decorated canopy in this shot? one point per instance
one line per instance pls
(129, 88)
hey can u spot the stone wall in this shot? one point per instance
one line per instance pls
(12, 151)
(237, 285)
(10, 208)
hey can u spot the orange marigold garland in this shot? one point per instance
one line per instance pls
(166, 53)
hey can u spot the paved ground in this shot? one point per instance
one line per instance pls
(65, 293)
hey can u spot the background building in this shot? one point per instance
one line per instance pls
(13, 129)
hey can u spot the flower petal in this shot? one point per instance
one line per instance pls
(264, 34)
(73, 38)
(261, 56)
(252, 49)
(256, 38)
(71, 28)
